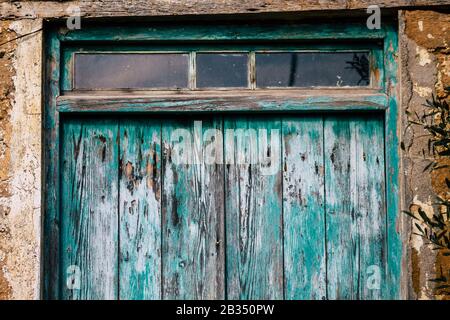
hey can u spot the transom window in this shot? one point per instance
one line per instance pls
(198, 70)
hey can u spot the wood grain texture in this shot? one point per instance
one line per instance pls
(253, 209)
(392, 147)
(275, 101)
(140, 209)
(371, 207)
(303, 208)
(193, 214)
(342, 266)
(122, 8)
(51, 172)
(288, 31)
(355, 206)
(89, 214)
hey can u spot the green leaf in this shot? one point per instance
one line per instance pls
(441, 234)
(428, 166)
(424, 217)
(410, 214)
(440, 167)
(444, 153)
(442, 142)
(444, 286)
(440, 279)
(436, 129)
(419, 228)
(447, 182)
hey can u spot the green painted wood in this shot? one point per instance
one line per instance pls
(355, 206)
(203, 32)
(51, 171)
(371, 206)
(89, 212)
(303, 208)
(54, 218)
(193, 213)
(253, 208)
(140, 209)
(340, 232)
(269, 101)
(392, 145)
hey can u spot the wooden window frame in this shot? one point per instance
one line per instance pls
(60, 44)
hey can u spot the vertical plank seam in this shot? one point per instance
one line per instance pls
(59, 210)
(282, 209)
(58, 159)
(161, 234)
(359, 144)
(386, 217)
(118, 142)
(225, 271)
(325, 207)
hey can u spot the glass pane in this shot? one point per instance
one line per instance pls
(311, 69)
(219, 70)
(115, 71)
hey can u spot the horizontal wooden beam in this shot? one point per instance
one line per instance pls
(278, 102)
(125, 8)
(235, 32)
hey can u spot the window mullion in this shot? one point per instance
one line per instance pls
(252, 70)
(192, 71)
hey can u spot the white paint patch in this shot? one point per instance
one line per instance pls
(420, 23)
(424, 92)
(416, 241)
(423, 55)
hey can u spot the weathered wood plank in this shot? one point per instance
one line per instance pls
(140, 209)
(51, 171)
(253, 208)
(193, 212)
(122, 8)
(289, 31)
(286, 100)
(221, 32)
(392, 144)
(89, 215)
(371, 207)
(303, 208)
(342, 266)
(355, 206)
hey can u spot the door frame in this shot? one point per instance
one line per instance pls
(383, 97)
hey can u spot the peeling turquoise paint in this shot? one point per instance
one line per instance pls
(280, 257)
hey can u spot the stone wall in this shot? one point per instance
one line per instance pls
(20, 159)
(425, 61)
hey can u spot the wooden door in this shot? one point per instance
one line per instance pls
(235, 162)
(299, 212)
